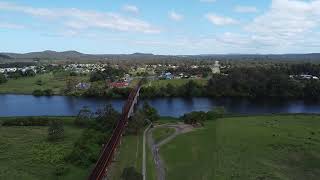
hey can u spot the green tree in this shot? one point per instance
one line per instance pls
(217, 112)
(84, 117)
(55, 130)
(137, 122)
(106, 118)
(150, 112)
(195, 118)
(39, 82)
(3, 79)
(37, 92)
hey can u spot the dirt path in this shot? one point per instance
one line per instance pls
(160, 166)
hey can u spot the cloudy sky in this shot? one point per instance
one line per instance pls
(161, 26)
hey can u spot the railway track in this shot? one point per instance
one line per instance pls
(100, 169)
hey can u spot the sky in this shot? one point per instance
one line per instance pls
(174, 27)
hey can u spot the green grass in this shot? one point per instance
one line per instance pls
(161, 133)
(26, 154)
(257, 147)
(176, 82)
(129, 154)
(26, 85)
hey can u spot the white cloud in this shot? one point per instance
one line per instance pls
(175, 16)
(83, 19)
(286, 22)
(220, 20)
(208, 1)
(131, 9)
(245, 9)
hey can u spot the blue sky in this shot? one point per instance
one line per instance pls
(161, 27)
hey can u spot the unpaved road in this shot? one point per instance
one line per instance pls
(160, 166)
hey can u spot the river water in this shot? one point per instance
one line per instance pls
(28, 105)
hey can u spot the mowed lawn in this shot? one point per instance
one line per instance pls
(26, 154)
(261, 147)
(26, 85)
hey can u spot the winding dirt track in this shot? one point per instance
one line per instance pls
(160, 166)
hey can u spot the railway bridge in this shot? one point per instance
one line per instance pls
(100, 169)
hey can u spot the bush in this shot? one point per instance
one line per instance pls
(27, 121)
(55, 130)
(218, 112)
(86, 150)
(195, 118)
(84, 117)
(39, 82)
(3, 79)
(37, 92)
(48, 92)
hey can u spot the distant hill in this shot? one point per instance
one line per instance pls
(3, 56)
(77, 56)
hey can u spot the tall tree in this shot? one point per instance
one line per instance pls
(150, 112)
(3, 79)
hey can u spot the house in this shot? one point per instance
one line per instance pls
(167, 75)
(83, 86)
(119, 84)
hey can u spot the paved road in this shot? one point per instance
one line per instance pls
(160, 166)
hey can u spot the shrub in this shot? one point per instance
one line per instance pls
(3, 79)
(84, 117)
(195, 118)
(39, 82)
(37, 92)
(48, 92)
(216, 113)
(87, 148)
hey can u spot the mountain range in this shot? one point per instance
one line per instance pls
(77, 56)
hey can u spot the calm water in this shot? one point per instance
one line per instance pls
(28, 105)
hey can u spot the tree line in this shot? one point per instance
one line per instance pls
(257, 82)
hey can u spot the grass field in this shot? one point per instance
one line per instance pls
(128, 155)
(160, 134)
(27, 85)
(26, 154)
(260, 147)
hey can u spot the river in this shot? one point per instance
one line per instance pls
(28, 105)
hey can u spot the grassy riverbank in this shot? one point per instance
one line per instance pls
(254, 147)
(25, 152)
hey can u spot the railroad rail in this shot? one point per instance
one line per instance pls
(106, 156)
